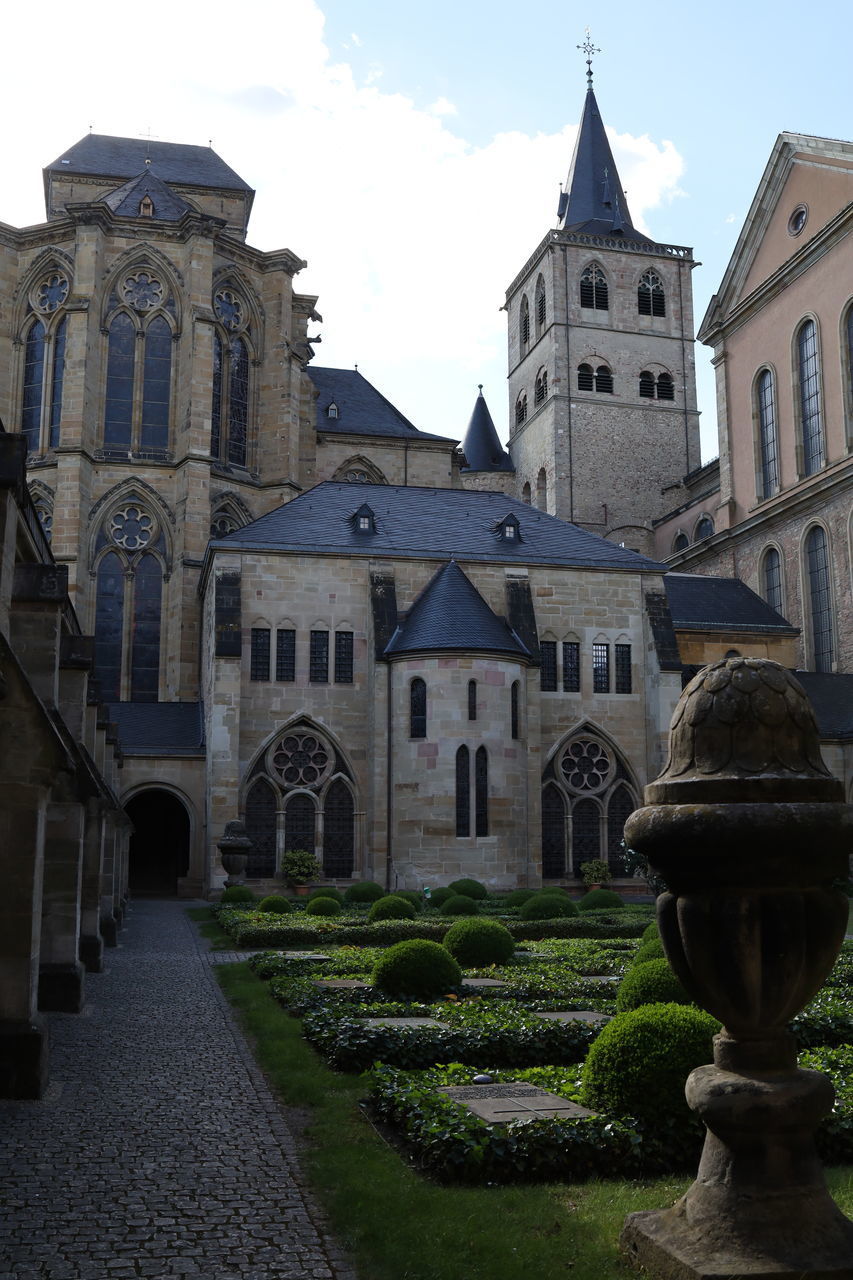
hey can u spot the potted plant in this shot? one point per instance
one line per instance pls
(298, 868)
(595, 873)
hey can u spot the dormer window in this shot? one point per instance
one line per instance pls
(509, 529)
(364, 521)
(332, 411)
(146, 207)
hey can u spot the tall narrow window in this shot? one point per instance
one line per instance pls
(553, 833)
(513, 709)
(766, 404)
(33, 385)
(524, 324)
(704, 529)
(129, 604)
(229, 418)
(145, 635)
(318, 659)
(651, 300)
(586, 833)
(521, 409)
(417, 708)
(261, 829)
(820, 598)
(586, 378)
(665, 387)
(109, 626)
(542, 490)
(156, 385)
(771, 578)
(300, 817)
(548, 668)
(620, 806)
(540, 392)
(259, 667)
(139, 367)
(571, 666)
(622, 663)
(647, 385)
(463, 792)
(593, 289)
(343, 657)
(118, 415)
(540, 306)
(811, 424)
(56, 381)
(601, 668)
(338, 831)
(285, 654)
(604, 379)
(472, 699)
(481, 792)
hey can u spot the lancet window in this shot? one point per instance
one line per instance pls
(229, 418)
(44, 344)
(651, 299)
(130, 567)
(140, 335)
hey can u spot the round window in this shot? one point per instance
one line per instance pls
(586, 765)
(798, 220)
(301, 759)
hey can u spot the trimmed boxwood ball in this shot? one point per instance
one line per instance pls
(469, 889)
(236, 894)
(438, 897)
(364, 891)
(477, 941)
(639, 1063)
(391, 908)
(459, 905)
(323, 907)
(652, 982)
(417, 968)
(518, 897)
(650, 950)
(548, 906)
(326, 891)
(599, 899)
(410, 895)
(275, 904)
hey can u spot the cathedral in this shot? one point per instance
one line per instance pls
(418, 656)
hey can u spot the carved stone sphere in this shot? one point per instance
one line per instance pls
(744, 730)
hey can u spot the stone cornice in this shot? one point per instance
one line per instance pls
(675, 252)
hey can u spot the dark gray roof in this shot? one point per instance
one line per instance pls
(178, 162)
(704, 603)
(362, 410)
(831, 697)
(593, 201)
(482, 449)
(159, 728)
(450, 613)
(429, 523)
(125, 200)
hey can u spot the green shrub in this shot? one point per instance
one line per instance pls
(652, 949)
(438, 897)
(548, 906)
(391, 908)
(419, 969)
(274, 903)
(237, 893)
(469, 889)
(639, 1063)
(459, 905)
(478, 942)
(323, 907)
(651, 931)
(327, 891)
(652, 982)
(364, 891)
(410, 895)
(518, 897)
(599, 900)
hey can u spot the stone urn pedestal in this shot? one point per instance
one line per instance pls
(234, 849)
(751, 835)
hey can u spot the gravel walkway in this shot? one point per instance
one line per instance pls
(159, 1149)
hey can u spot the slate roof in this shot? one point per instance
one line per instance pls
(831, 696)
(703, 603)
(159, 728)
(423, 523)
(450, 614)
(593, 201)
(125, 200)
(362, 410)
(105, 156)
(482, 448)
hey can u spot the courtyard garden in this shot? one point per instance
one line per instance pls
(523, 1055)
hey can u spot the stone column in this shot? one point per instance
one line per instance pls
(91, 942)
(109, 923)
(60, 972)
(23, 1034)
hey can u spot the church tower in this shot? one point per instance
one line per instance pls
(603, 418)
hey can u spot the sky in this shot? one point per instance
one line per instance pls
(412, 153)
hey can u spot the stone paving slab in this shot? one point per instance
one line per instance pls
(341, 984)
(482, 982)
(403, 1022)
(159, 1150)
(575, 1015)
(500, 1103)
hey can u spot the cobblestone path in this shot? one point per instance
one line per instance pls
(158, 1150)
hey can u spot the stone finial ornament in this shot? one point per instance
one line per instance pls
(747, 828)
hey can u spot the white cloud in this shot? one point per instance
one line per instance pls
(412, 234)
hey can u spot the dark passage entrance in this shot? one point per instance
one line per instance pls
(160, 844)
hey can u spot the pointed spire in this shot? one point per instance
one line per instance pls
(482, 449)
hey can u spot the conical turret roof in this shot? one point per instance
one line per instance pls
(450, 614)
(482, 449)
(593, 202)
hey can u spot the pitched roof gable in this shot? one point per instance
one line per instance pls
(704, 603)
(361, 409)
(126, 199)
(450, 614)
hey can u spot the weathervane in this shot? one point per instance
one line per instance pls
(590, 50)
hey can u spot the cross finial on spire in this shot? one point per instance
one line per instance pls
(590, 50)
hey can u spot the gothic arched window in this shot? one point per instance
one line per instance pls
(128, 605)
(619, 807)
(338, 830)
(766, 412)
(230, 405)
(417, 708)
(553, 833)
(300, 818)
(820, 598)
(681, 543)
(44, 370)
(811, 421)
(593, 288)
(524, 324)
(261, 829)
(463, 792)
(651, 300)
(771, 578)
(137, 400)
(586, 833)
(540, 306)
(704, 529)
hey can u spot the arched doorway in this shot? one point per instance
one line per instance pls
(160, 844)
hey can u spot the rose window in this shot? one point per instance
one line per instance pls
(142, 290)
(586, 765)
(52, 292)
(228, 308)
(302, 760)
(131, 528)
